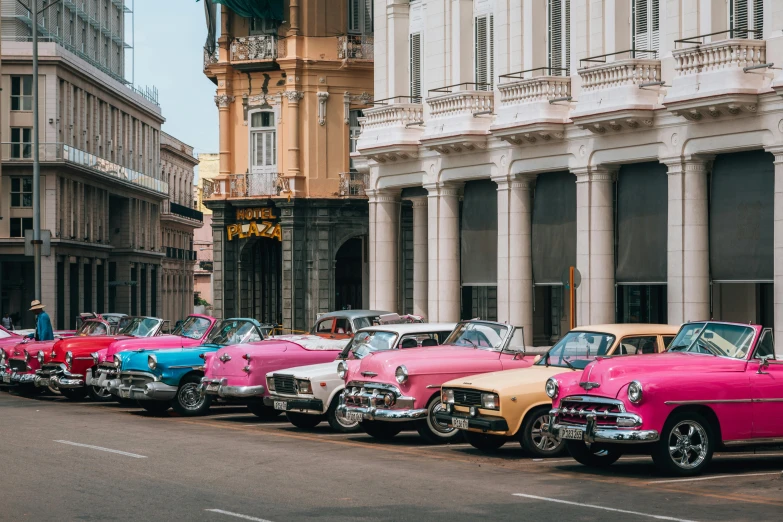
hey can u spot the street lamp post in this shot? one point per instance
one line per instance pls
(36, 151)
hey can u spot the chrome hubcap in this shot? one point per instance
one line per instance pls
(688, 444)
(101, 392)
(440, 428)
(189, 397)
(541, 439)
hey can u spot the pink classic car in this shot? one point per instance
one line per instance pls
(717, 386)
(385, 391)
(192, 332)
(8, 340)
(239, 371)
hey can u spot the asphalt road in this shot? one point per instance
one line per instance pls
(103, 462)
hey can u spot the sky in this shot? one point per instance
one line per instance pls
(170, 36)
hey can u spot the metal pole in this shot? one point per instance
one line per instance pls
(36, 165)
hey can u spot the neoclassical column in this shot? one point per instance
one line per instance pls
(384, 245)
(292, 121)
(687, 260)
(420, 253)
(223, 102)
(595, 245)
(294, 17)
(778, 249)
(515, 265)
(398, 26)
(443, 292)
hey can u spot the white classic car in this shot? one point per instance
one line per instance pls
(310, 394)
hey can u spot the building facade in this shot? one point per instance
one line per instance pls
(178, 220)
(639, 141)
(289, 214)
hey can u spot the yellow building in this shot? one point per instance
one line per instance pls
(290, 217)
(208, 170)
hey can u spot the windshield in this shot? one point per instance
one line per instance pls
(368, 342)
(141, 327)
(577, 349)
(192, 328)
(364, 322)
(93, 328)
(728, 340)
(234, 332)
(487, 336)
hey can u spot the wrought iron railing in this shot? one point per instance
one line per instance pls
(210, 58)
(255, 184)
(257, 48)
(355, 46)
(353, 183)
(209, 188)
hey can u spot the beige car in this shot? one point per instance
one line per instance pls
(494, 408)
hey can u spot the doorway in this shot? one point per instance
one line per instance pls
(348, 275)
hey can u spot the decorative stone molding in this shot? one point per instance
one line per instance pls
(293, 96)
(348, 98)
(595, 174)
(223, 101)
(443, 189)
(322, 97)
(418, 201)
(689, 164)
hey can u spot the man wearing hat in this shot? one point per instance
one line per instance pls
(43, 325)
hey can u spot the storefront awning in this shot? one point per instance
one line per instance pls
(554, 227)
(479, 234)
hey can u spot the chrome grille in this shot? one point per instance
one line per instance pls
(17, 366)
(467, 398)
(576, 410)
(368, 394)
(49, 369)
(136, 380)
(284, 384)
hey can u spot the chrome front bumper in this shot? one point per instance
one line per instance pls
(219, 388)
(152, 391)
(59, 379)
(372, 413)
(591, 432)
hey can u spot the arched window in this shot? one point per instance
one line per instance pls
(263, 142)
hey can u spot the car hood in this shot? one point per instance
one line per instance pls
(160, 342)
(507, 381)
(312, 371)
(613, 373)
(233, 359)
(81, 346)
(138, 360)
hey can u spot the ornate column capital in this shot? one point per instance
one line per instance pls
(777, 150)
(223, 101)
(443, 189)
(690, 163)
(418, 201)
(597, 174)
(293, 96)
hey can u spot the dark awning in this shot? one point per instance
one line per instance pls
(554, 227)
(265, 9)
(479, 234)
(642, 221)
(742, 201)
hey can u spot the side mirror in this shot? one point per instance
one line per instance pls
(764, 363)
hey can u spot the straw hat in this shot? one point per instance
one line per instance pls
(36, 305)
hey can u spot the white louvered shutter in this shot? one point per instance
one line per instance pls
(747, 14)
(415, 49)
(567, 35)
(484, 51)
(739, 18)
(555, 35)
(758, 19)
(640, 27)
(646, 27)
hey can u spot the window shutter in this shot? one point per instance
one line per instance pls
(354, 16)
(415, 43)
(758, 19)
(739, 16)
(646, 33)
(567, 31)
(555, 35)
(368, 26)
(491, 57)
(641, 22)
(655, 17)
(481, 50)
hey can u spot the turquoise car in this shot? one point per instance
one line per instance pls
(163, 379)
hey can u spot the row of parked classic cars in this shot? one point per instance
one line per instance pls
(675, 393)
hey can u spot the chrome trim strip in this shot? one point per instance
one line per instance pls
(709, 401)
(595, 399)
(181, 367)
(767, 400)
(433, 386)
(744, 442)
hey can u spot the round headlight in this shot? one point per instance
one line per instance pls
(40, 357)
(152, 362)
(26, 355)
(551, 388)
(401, 374)
(2, 356)
(68, 357)
(635, 391)
(117, 361)
(342, 369)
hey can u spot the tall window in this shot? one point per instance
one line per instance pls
(646, 34)
(559, 36)
(21, 93)
(415, 49)
(360, 16)
(263, 142)
(262, 26)
(353, 132)
(747, 14)
(22, 191)
(21, 142)
(485, 52)
(19, 225)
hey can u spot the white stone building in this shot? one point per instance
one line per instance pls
(638, 140)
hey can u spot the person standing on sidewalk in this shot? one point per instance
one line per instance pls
(43, 325)
(8, 323)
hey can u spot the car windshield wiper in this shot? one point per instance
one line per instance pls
(569, 363)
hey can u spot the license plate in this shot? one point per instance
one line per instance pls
(212, 387)
(354, 416)
(461, 424)
(43, 383)
(281, 405)
(7, 378)
(571, 434)
(125, 394)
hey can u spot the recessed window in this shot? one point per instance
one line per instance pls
(22, 192)
(19, 225)
(21, 93)
(21, 142)
(263, 141)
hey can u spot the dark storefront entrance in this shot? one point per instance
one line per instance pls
(348, 275)
(479, 250)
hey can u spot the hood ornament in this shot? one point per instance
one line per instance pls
(225, 357)
(589, 385)
(369, 374)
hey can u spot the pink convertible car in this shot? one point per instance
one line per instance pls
(387, 391)
(718, 386)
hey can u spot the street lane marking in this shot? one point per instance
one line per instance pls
(237, 515)
(593, 506)
(713, 477)
(118, 452)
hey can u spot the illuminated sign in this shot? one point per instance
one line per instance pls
(263, 228)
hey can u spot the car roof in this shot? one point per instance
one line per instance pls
(630, 329)
(352, 314)
(409, 328)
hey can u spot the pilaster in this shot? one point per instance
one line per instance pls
(420, 256)
(443, 264)
(384, 263)
(778, 248)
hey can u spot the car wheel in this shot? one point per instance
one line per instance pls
(154, 407)
(535, 440)
(435, 431)
(484, 441)
(686, 445)
(595, 456)
(264, 412)
(189, 401)
(100, 394)
(340, 424)
(303, 420)
(381, 430)
(74, 394)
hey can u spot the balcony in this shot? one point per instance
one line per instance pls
(722, 78)
(210, 58)
(533, 110)
(353, 184)
(460, 117)
(355, 47)
(257, 184)
(620, 95)
(391, 129)
(105, 170)
(171, 211)
(257, 52)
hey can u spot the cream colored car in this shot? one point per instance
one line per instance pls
(494, 408)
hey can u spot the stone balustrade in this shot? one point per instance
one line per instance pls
(619, 73)
(531, 90)
(735, 53)
(395, 115)
(391, 131)
(461, 103)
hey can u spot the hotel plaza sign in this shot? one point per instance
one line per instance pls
(260, 224)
